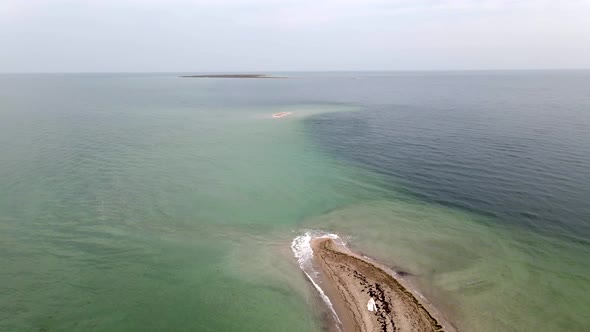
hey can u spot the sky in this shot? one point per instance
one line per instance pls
(292, 35)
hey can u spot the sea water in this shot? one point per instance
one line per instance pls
(149, 202)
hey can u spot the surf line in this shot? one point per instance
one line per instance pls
(301, 247)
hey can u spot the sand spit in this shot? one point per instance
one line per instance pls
(366, 297)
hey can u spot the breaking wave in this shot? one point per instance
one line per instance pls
(301, 247)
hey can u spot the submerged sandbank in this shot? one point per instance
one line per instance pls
(366, 297)
(281, 114)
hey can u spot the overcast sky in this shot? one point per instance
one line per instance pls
(281, 35)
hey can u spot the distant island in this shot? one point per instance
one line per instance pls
(232, 76)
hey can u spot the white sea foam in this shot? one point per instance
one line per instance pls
(302, 250)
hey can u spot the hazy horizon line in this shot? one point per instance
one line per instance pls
(298, 71)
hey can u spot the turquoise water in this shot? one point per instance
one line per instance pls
(150, 202)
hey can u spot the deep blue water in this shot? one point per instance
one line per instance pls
(511, 145)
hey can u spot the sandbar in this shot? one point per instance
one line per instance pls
(281, 114)
(356, 284)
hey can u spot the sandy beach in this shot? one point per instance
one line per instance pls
(366, 297)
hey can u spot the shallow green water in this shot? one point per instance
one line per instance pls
(163, 226)
(150, 203)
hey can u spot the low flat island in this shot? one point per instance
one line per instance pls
(366, 297)
(231, 76)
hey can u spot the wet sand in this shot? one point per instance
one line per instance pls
(350, 281)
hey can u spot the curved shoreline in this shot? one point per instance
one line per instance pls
(351, 281)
